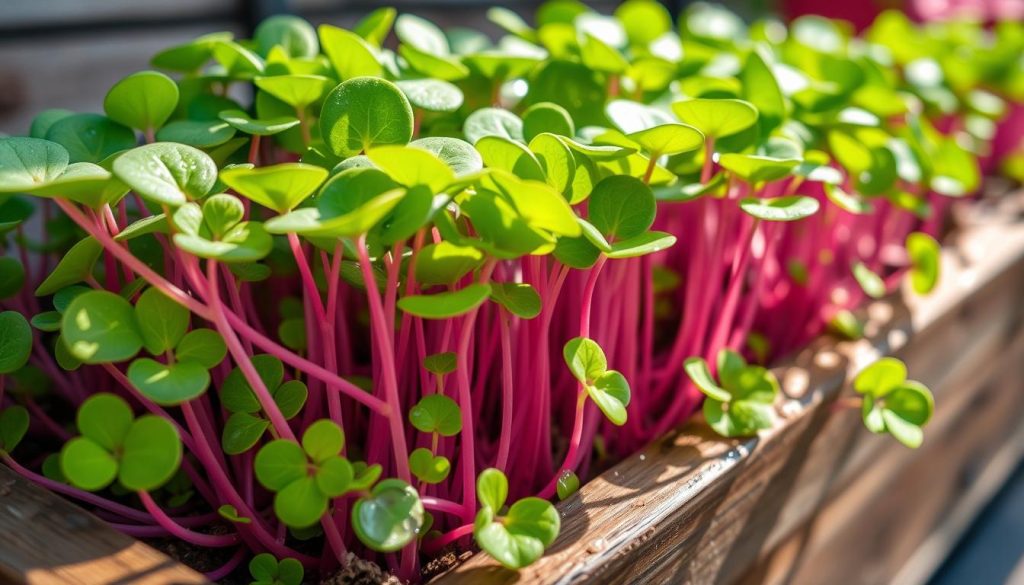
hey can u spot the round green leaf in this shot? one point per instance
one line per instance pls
(505, 154)
(903, 431)
(169, 384)
(279, 187)
(568, 484)
(846, 201)
(29, 162)
(644, 20)
(151, 454)
(230, 513)
(85, 183)
(762, 90)
(290, 397)
(334, 476)
(243, 122)
(203, 346)
(323, 439)
(697, 369)
(43, 120)
(390, 518)
(291, 33)
(208, 232)
(91, 137)
(300, 503)
(547, 117)
(280, 463)
(15, 341)
(48, 321)
(363, 112)
(14, 422)
(621, 207)
(349, 54)
(87, 465)
(432, 95)
(428, 468)
(143, 100)
(881, 377)
(198, 133)
(100, 327)
(447, 304)
(436, 413)
(789, 208)
(557, 162)
(669, 139)
(757, 169)
(520, 537)
(76, 266)
(869, 282)
(610, 391)
(241, 432)
(716, 118)
(411, 166)
(585, 358)
(457, 154)
(492, 122)
(846, 325)
(422, 34)
(166, 173)
(105, 419)
(492, 489)
(645, 243)
(162, 321)
(375, 26)
(924, 252)
(737, 418)
(912, 402)
(445, 263)
(441, 363)
(520, 299)
(365, 475)
(236, 394)
(298, 91)
(263, 567)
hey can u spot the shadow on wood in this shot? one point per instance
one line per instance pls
(47, 540)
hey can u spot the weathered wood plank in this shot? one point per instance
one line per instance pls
(867, 531)
(46, 540)
(692, 508)
(75, 72)
(26, 13)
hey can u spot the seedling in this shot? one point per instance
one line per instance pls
(740, 402)
(892, 403)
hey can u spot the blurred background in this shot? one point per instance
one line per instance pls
(67, 53)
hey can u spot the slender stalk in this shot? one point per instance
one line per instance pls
(196, 538)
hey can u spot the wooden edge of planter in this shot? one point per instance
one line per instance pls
(47, 539)
(693, 507)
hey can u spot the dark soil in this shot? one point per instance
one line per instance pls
(449, 557)
(361, 572)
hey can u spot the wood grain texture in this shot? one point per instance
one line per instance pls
(46, 540)
(76, 71)
(818, 499)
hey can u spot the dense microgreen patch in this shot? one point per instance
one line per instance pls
(299, 289)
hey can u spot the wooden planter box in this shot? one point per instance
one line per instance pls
(816, 500)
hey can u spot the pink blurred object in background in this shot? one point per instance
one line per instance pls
(984, 10)
(861, 13)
